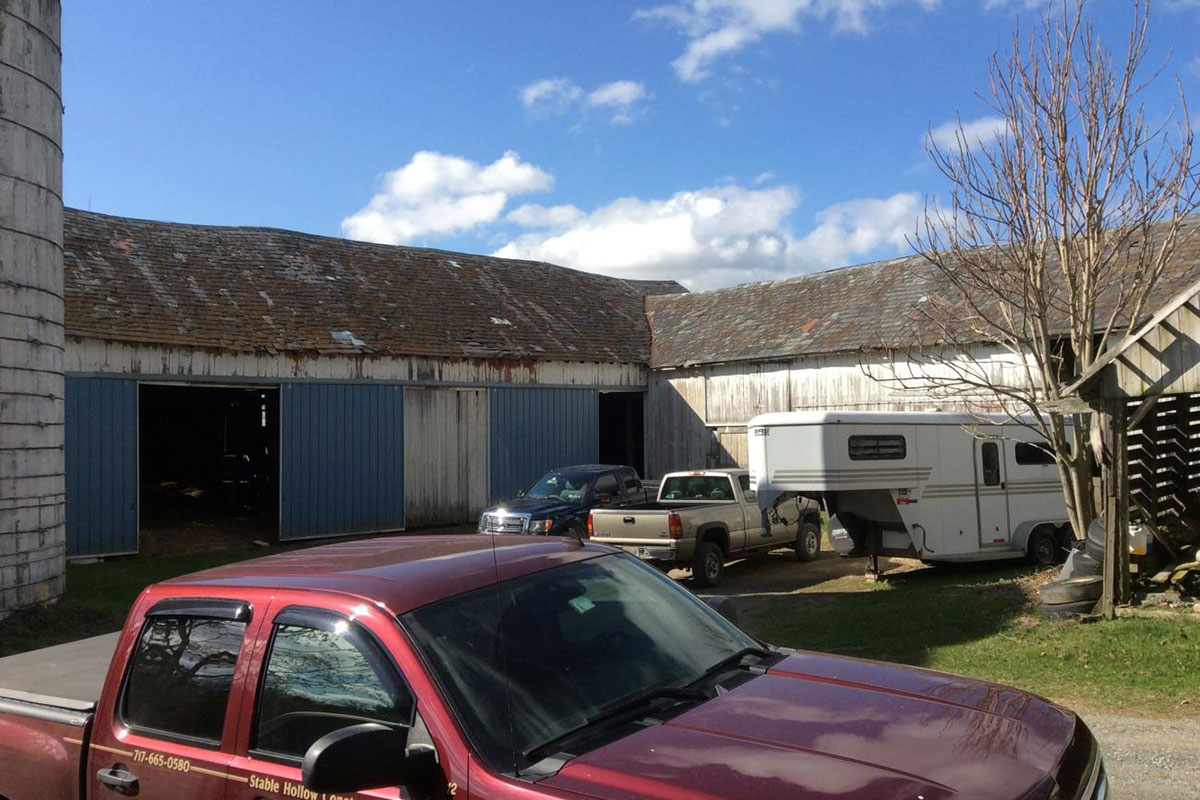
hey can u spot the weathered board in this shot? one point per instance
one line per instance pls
(445, 455)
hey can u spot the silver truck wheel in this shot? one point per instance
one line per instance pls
(808, 541)
(709, 565)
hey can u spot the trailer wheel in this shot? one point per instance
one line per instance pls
(808, 541)
(1071, 610)
(1073, 590)
(709, 565)
(1043, 547)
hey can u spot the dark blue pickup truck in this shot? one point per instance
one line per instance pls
(557, 504)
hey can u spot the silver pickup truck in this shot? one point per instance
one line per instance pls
(702, 519)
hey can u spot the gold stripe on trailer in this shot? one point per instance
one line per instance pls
(907, 479)
(871, 470)
(852, 473)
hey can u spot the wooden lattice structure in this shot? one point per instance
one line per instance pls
(1148, 390)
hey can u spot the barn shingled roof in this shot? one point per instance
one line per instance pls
(842, 310)
(277, 291)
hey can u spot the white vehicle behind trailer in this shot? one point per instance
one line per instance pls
(929, 485)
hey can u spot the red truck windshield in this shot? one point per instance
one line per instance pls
(560, 647)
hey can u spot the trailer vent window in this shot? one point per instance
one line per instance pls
(878, 448)
(1033, 454)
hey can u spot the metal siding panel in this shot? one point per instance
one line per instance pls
(100, 447)
(533, 430)
(341, 461)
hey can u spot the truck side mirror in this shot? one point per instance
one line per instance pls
(723, 606)
(520, 492)
(368, 756)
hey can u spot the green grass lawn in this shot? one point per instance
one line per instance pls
(978, 621)
(99, 595)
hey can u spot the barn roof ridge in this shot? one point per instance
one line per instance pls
(844, 310)
(257, 288)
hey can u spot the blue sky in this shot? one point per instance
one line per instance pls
(711, 141)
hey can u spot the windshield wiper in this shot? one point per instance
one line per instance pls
(618, 710)
(732, 661)
(689, 692)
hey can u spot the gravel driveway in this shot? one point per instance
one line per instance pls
(1149, 758)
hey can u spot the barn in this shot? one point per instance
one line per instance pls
(259, 384)
(817, 341)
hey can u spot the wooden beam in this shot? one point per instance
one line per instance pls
(1145, 408)
(1066, 405)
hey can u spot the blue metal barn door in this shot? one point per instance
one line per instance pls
(533, 430)
(341, 459)
(101, 452)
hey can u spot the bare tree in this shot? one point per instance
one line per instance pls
(1055, 235)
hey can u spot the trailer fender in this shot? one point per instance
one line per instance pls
(1020, 537)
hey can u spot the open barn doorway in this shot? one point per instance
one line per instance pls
(208, 467)
(622, 436)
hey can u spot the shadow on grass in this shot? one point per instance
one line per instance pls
(904, 618)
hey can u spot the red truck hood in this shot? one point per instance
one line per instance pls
(819, 726)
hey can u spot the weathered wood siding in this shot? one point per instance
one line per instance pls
(445, 455)
(674, 420)
(697, 416)
(86, 356)
(1165, 360)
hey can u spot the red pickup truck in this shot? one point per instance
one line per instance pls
(509, 668)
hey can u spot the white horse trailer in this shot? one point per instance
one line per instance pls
(929, 485)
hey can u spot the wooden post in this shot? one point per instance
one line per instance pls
(1113, 456)
(1116, 510)
(1121, 587)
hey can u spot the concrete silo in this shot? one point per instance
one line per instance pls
(31, 304)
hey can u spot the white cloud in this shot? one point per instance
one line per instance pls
(951, 135)
(617, 93)
(620, 96)
(532, 215)
(557, 96)
(715, 28)
(710, 237)
(441, 194)
(550, 96)
(847, 230)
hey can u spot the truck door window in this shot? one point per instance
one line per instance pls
(320, 678)
(180, 675)
(631, 483)
(606, 485)
(747, 492)
(989, 454)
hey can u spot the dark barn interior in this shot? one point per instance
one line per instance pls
(208, 466)
(622, 437)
